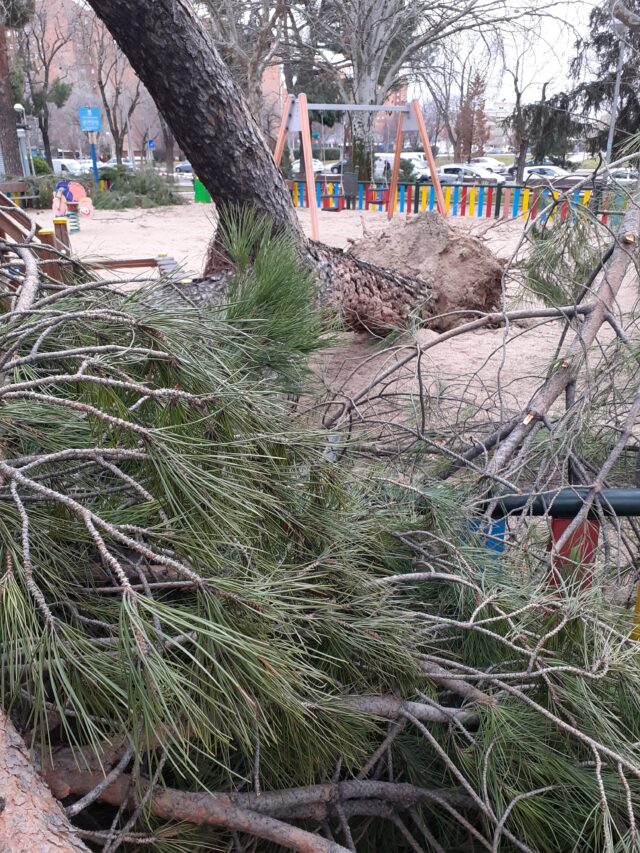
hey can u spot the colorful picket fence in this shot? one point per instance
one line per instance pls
(482, 202)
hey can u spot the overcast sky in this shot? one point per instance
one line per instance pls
(547, 59)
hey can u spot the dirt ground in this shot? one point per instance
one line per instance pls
(184, 232)
(492, 368)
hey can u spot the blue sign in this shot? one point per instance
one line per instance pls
(90, 120)
(151, 144)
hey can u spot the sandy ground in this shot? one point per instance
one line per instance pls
(184, 232)
(489, 369)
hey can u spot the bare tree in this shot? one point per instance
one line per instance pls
(120, 88)
(518, 122)
(41, 41)
(372, 47)
(248, 35)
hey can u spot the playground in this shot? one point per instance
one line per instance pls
(185, 232)
(472, 363)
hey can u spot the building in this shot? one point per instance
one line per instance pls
(72, 29)
(386, 124)
(499, 139)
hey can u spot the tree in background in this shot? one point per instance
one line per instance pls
(598, 54)
(372, 47)
(120, 88)
(40, 43)
(542, 129)
(471, 125)
(13, 14)
(168, 145)
(449, 81)
(248, 35)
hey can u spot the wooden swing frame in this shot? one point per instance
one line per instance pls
(295, 117)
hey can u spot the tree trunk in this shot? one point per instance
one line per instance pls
(8, 132)
(362, 144)
(174, 57)
(521, 160)
(169, 143)
(43, 123)
(30, 818)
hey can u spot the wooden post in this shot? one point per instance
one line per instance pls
(51, 266)
(393, 189)
(282, 133)
(424, 136)
(61, 229)
(308, 166)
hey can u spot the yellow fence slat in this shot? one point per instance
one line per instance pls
(471, 201)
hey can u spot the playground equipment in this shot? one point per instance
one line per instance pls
(70, 199)
(296, 118)
(578, 553)
(53, 245)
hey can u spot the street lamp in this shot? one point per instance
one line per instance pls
(21, 111)
(620, 30)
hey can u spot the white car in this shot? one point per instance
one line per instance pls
(67, 167)
(623, 177)
(113, 163)
(544, 174)
(490, 164)
(467, 173)
(316, 165)
(383, 164)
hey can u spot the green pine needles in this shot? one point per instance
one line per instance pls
(191, 589)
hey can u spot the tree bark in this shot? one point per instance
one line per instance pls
(521, 160)
(362, 144)
(30, 818)
(8, 131)
(43, 123)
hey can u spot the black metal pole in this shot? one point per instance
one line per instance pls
(567, 503)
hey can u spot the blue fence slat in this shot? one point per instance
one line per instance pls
(360, 196)
(401, 199)
(480, 209)
(515, 207)
(432, 197)
(456, 194)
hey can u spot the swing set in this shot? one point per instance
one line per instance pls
(295, 118)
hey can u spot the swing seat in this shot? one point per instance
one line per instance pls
(377, 195)
(333, 201)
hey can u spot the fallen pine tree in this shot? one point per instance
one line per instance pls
(215, 638)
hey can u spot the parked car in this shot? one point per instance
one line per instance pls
(337, 168)
(184, 168)
(490, 164)
(544, 170)
(551, 172)
(316, 165)
(465, 173)
(67, 167)
(383, 163)
(623, 177)
(113, 163)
